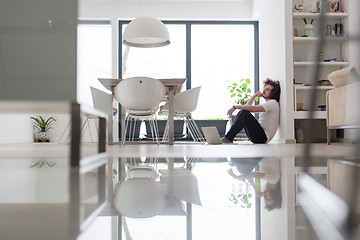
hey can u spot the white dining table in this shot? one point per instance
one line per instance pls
(173, 86)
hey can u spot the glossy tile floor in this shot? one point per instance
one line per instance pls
(34, 191)
(185, 149)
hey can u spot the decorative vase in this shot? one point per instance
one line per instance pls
(299, 135)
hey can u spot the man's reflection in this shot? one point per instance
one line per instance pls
(269, 171)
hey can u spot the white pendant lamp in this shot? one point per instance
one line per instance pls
(146, 32)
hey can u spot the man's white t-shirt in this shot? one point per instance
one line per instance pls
(270, 119)
(271, 167)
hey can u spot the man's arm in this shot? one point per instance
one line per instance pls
(251, 100)
(250, 108)
(251, 175)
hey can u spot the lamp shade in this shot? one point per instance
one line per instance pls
(146, 32)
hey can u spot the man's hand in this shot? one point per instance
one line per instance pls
(232, 174)
(230, 111)
(258, 94)
(259, 194)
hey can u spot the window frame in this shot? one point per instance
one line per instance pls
(188, 25)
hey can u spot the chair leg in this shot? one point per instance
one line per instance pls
(200, 136)
(88, 126)
(124, 131)
(194, 129)
(153, 131)
(166, 131)
(132, 125)
(65, 140)
(156, 131)
(189, 128)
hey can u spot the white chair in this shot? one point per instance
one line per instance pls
(139, 197)
(101, 101)
(184, 104)
(138, 169)
(140, 96)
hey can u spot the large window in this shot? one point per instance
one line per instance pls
(208, 54)
(163, 62)
(220, 55)
(93, 57)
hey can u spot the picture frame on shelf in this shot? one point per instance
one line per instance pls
(335, 7)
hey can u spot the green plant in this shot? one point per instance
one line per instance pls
(242, 198)
(43, 125)
(210, 119)
(42, 163)
(240, 91)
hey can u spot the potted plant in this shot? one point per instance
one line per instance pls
(240, 93)
(178, 128)
(43, 126)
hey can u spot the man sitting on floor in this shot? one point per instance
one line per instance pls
(261, 131)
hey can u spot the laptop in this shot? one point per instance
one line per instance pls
(211, 135)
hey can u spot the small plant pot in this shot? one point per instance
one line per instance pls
(42, 134)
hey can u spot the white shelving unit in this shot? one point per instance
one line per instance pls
(332, 16)
(334, 51)
(331, 64)
(305, 114)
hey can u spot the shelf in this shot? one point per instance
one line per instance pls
(314, 39)
(301, 15)
(305, 114)
(311, 63)
(310, 87)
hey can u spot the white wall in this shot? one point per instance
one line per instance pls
(354, 29)
(15, 128)
(275, 51)
(166, 9)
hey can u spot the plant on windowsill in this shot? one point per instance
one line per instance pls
(161, 122)
(240, 93)
(42, 126)
(42, 163)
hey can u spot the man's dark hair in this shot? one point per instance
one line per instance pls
(275, 92)
(275, 190)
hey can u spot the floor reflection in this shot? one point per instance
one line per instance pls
(268, 172)
(214, 205)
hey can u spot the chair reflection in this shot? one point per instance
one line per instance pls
(147, 191)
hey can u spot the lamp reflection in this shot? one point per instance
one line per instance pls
(146, 191)
(269, 188)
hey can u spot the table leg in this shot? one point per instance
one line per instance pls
(171, 115)
(110, 128)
